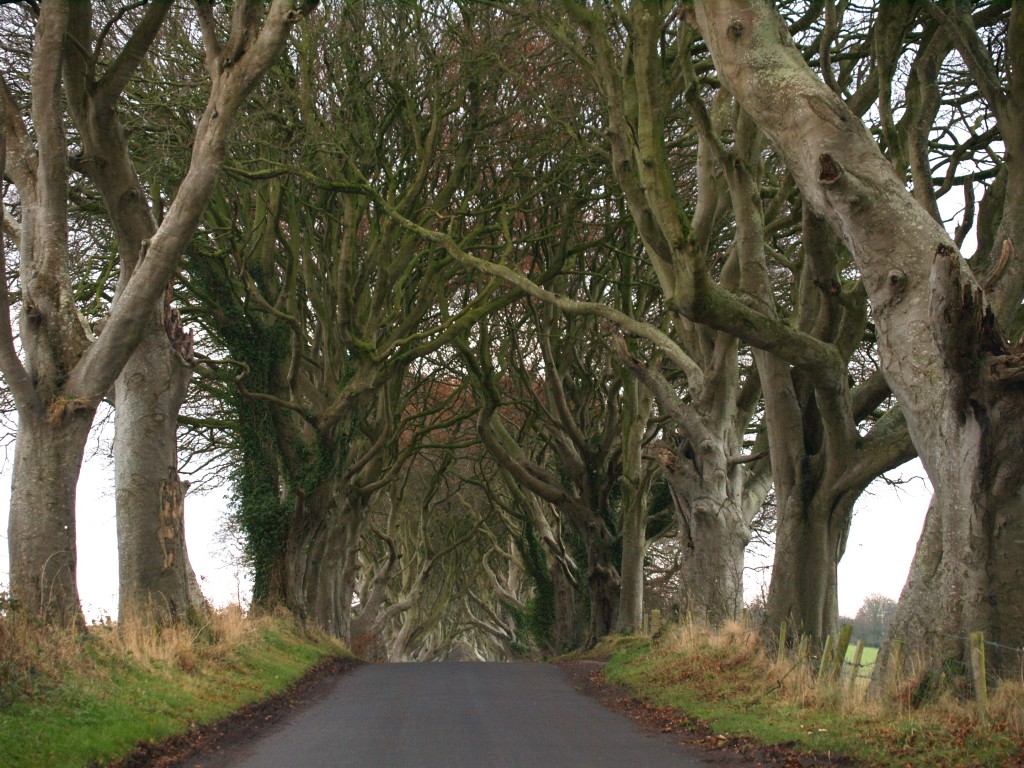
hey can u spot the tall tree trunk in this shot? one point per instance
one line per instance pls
(567, 632)
(821, 461)
(634, 546)
(603, 583)
(322, 558)
(156, 579)
(712, 541)
(802, 591)
(636, 409)
(41, 527)
(810, 539)
(53, 419)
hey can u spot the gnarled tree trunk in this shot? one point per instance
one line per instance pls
(322, 557)
(712, 543)
(713, 533)
(602, 580)
(707, 480)
(156, 579)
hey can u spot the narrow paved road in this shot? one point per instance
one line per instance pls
(457, 716)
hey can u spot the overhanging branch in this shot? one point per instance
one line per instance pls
(695, 377)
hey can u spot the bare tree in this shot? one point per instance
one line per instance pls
(937, 322)
(714, 217)
(64, 371)
(873, 619)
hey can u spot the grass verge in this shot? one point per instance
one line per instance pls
(726, 680)
(85, 699)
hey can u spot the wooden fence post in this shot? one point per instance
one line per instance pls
(977, 640)
(802, 648)
(895, 666)
(782, 644)
(826, 659)
(857, 654)
(655, 621)
(839, 657)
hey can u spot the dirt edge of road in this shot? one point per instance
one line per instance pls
(588, 678)
(242, 726)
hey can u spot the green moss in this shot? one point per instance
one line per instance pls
(620, 648)
(539, 617)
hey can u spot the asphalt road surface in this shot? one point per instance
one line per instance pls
(457, 715)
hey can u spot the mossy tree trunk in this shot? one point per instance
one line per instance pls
(635, 482)
(156, 580)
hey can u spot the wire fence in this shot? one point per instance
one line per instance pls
(991, 644)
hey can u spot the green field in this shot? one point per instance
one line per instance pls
(867, 661)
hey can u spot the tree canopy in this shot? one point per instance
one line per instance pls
(503, 315)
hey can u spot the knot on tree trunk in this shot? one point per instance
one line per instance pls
(183, 343)
(829, 170)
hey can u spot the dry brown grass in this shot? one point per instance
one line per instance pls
(795, 681)
(183, 645)
(1004, 712)
(1006, 707)
(734, 646)
(33, 655)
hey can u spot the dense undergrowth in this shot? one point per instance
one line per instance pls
(729, 682)
(73, 698)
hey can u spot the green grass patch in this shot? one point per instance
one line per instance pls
(101, 693)
(728, 682)
(607, 647)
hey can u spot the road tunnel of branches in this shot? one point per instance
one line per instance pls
(507, 322)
